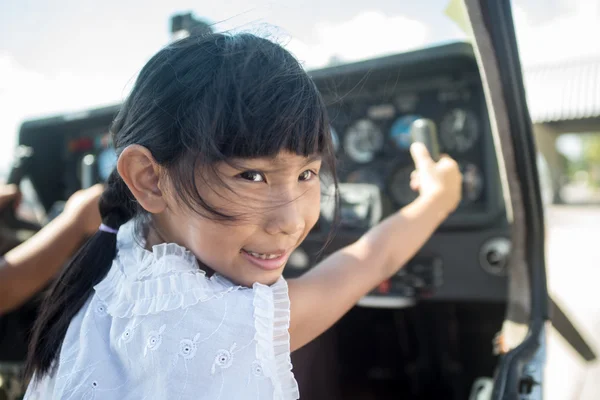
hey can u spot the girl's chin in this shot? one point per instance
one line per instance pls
(264, 278)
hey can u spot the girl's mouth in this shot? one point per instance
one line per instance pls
(266, 261)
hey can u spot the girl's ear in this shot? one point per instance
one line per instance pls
(141, 173)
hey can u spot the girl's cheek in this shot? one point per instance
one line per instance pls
(312, 209)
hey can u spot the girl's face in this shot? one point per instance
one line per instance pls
(276, 201)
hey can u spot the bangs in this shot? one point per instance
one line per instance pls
(286, 112)
(292, 119)
(258, 102)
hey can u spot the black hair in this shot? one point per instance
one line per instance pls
(198, 101)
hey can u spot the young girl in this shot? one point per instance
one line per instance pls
(180, 294)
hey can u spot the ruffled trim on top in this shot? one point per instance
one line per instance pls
(272, 322)
(139, 263)
(142, 282)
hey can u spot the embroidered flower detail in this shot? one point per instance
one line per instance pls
(127, 335)
(187, 347)
(101, 309)
(257, 369)
(154, 339)
(224, 359)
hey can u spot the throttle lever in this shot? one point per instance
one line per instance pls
(425, 131)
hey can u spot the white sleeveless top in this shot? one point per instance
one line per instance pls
(158, 328)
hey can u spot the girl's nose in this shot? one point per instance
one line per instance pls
(286, 218)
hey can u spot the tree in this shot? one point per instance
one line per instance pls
(591, 156)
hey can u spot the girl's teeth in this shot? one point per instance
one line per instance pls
(263, 256)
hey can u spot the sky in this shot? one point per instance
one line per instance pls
(69, 55)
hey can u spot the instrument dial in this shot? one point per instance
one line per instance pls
(363, 141)
(400, 132)
(459, 130)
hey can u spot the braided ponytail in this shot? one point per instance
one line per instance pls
(75, 284)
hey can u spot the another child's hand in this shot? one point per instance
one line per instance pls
(83, 208)
(441, 179)
(8, 194)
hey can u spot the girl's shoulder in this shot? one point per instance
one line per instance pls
(168, 277)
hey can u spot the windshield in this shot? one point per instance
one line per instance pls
(322, 33)
(82, 56)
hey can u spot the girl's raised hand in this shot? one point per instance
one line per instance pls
(441, 179)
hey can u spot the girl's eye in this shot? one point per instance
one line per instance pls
(307, 175)
(252, 176)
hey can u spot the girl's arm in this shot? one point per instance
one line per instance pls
(27, 268)
(325, 293)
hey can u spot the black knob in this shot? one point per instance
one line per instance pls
(424, 130)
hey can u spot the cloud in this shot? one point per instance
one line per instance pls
(15, 75)
(569, 34)
(368, 34)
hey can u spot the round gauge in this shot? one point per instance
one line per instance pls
(472, 183)
(335, 139)
(107, 160)
(400, 189)
(363, 140)
(366, 175)
(400, 132)
(459, 130)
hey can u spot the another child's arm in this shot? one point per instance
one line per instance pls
(324, 294)
(27, 268)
